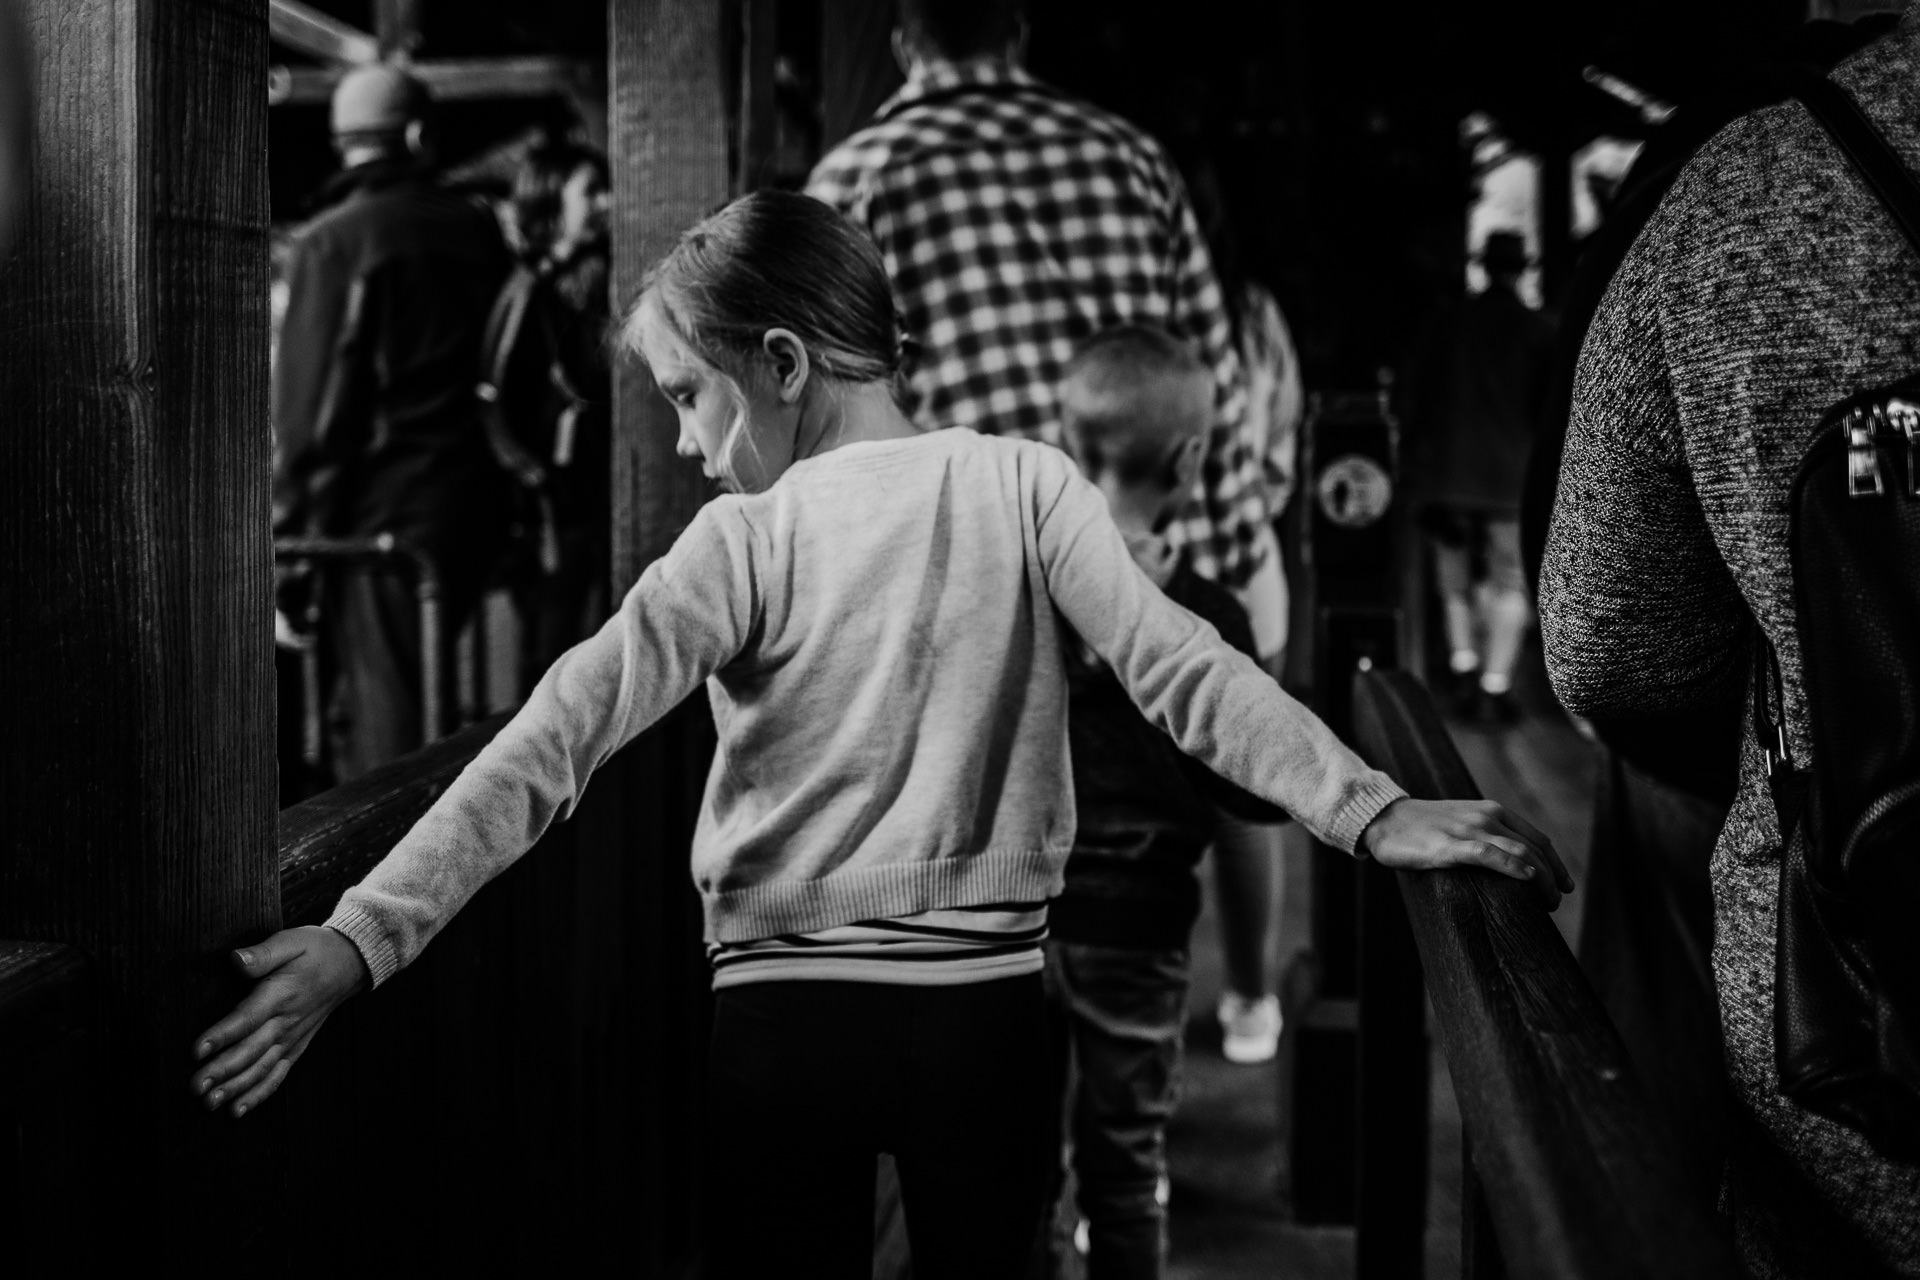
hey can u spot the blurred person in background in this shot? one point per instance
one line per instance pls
(1475, 391)
(1248, 884)
(375, 417)
(546, 359)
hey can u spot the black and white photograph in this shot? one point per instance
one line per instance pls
(960, 639)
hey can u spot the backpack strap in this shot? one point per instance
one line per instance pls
(502, 332)
(1862, 144)
(1887, 176)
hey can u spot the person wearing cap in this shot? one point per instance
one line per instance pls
(1473, 397)
(375, 418)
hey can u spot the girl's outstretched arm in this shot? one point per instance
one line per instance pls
(1420, 835)
(682, 621)
(1222, 709)
(301, 976)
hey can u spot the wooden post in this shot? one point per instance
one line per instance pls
(1355, 1060)
(668, 128)
(759, 49)
(137, 774)
(669, 133)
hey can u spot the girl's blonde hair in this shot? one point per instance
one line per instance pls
(774, 260)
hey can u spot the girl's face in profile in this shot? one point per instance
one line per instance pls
(705, 401)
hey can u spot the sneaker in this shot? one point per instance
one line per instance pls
(1249, 1029)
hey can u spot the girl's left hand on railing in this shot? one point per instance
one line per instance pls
(302, 976)
(1421, 835)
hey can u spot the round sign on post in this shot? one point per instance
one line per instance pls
(1354, 491)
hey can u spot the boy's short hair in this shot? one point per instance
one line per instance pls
(1128, 396)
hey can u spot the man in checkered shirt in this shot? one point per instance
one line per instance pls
(1016, 222)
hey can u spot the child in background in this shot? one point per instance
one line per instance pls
(1135, 407)
(880, 616)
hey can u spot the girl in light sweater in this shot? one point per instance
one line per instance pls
(879, 615)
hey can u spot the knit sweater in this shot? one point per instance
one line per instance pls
(1769, 284)
(882, 632)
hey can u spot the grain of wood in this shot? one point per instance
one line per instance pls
(1579, 1179)
(138, 774)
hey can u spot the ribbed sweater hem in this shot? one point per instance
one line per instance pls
(366, 934)
(883, 892)
(1361, 807)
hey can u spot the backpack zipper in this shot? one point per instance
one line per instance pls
(1861, 426)
(1904, 417)
(1863, 459)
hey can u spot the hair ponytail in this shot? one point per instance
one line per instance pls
(775, 260)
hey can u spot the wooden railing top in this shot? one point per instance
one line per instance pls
(44, 1012)
(329, 842)
(1580, 1181)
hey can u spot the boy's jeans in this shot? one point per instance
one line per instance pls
(1117, 1016)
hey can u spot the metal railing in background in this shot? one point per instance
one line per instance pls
(381, 551)
(1567, 1173)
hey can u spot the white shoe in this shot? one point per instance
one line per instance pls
(1249, 1029)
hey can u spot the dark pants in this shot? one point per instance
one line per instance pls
(370, 625)
(810, 1081)
(558, 610)
(1119, 1015)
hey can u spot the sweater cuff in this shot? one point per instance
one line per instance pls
(365, 933)
(1361, 808)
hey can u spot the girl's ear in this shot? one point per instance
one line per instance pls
(791, 366)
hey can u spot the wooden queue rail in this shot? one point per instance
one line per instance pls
(329, 842)
(326, 844)
(46, 1013)
(1566, 1166)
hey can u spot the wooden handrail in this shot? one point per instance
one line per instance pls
(1579, 1180)
(45, 1012)
(329, 842)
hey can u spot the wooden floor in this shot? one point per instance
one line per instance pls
(1226, 1142)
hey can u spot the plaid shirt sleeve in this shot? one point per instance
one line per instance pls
(1220, 525)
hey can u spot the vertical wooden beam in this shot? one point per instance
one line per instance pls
(668, 127)
(137, 770)
(759, 51)
(857, 68)
(668, 124)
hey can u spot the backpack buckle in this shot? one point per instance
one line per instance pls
(1863, 460)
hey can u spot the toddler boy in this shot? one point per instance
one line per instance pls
(1135, 407)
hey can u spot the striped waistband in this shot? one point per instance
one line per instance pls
(947, 947)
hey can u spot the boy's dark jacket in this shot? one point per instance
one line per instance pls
(1146, 810)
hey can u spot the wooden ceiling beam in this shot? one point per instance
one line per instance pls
(305, 29)
(449, 80)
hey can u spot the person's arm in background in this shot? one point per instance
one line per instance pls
(1638, 613)
(1287, 400)
(1231, 492)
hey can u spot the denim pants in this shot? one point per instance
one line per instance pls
(1117, 1016)
(810, 1081)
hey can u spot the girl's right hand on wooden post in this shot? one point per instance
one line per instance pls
(302, 976)
(1420, 835)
